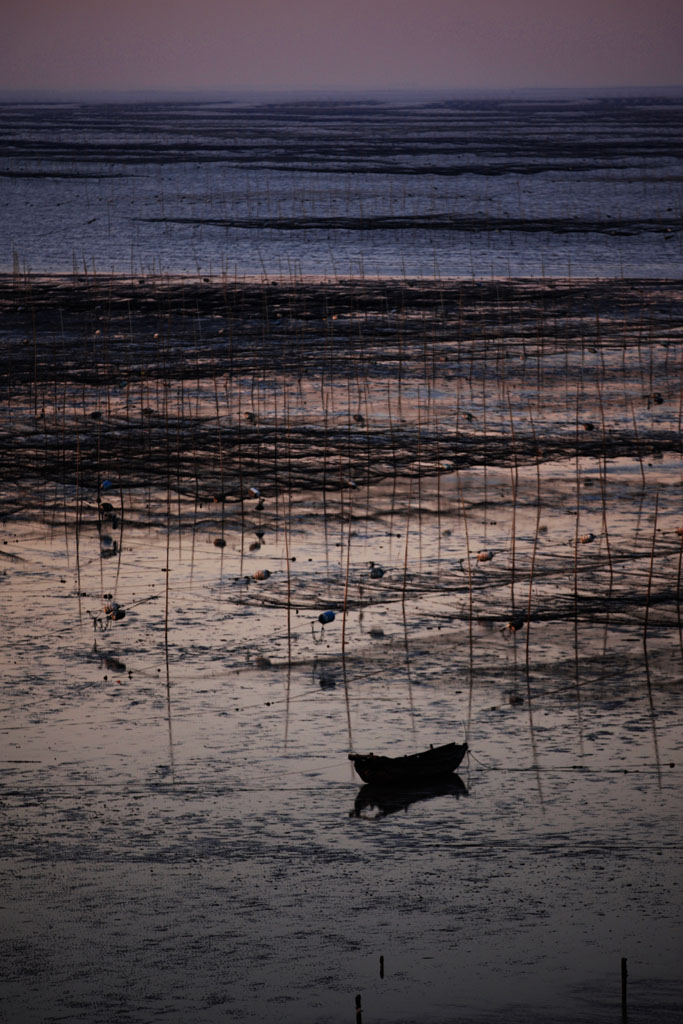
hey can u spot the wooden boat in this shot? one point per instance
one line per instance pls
(428, 765)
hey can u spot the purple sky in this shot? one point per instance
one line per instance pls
(229, 44)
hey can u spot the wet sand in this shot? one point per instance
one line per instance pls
(183, 835)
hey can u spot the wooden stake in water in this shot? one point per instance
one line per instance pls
(471, 609)
(535, 547)
(405, 552)
(514, 483)
(649, 576)
(678, 595)
(602, 468)
(638, 449)
(624, 977)
(359, 1011)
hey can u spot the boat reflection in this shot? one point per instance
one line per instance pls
(386, 800)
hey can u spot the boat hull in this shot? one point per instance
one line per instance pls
(427, 766)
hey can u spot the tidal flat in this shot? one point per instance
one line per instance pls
(482, 480)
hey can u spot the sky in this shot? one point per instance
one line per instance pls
(189, 45)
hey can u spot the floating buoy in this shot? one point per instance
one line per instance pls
(586, 538)
(358, 417)
(261, 574)
(326, 617)
(105, 485)
(516, 623)
(515, 698)
(254, 492)
(219, 542)
(376, 571)
(485, 556)
(109, 549)
(114, 611)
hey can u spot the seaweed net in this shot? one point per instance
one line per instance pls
(279, 408)
(202, 388)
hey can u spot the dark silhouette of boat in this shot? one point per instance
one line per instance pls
(391, 799)
(412, 769)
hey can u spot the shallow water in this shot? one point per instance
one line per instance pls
(570, 185)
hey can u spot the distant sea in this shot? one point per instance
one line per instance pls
(402, 185)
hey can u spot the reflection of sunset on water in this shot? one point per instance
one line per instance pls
(203, 617)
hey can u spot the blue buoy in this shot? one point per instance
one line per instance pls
(326, 617)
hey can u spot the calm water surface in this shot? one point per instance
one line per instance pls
(424, 186)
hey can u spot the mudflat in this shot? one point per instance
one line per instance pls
(482, 481)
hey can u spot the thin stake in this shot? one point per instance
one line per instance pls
(638, 451)
(535, 547)
(469, 587)
(649, 577)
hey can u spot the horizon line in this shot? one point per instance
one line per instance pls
(58, 94)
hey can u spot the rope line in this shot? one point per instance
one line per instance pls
(169, 783)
